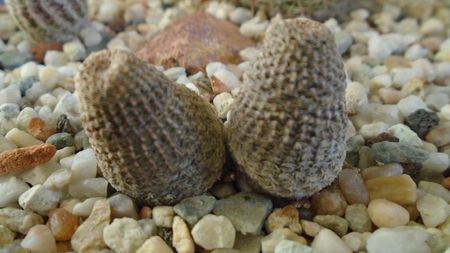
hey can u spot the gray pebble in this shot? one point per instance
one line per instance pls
(61, 140)
(389, 152)
(194, 208)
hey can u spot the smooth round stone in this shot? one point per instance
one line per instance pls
(353, 187)
(287, 246)
(435, 189)
(270, 241)
(387, 170)
(328, 241)
(389, 152)
(411, 104)
(19, 220)
(398, 240)
(398, 189)
(212, 232)
(61, 140)
(13, 59)
(194, 208)
(358, 218)
(405, 135)
(355, 97)
(433, 210)
(337, 224)
(373, 129)
(155, 244)
(356, 241)
(84, 165)
(6, 236)
(329, 201)
(62, 224)
(122, 206)
(384, 213)
(11, 188)
(248, 243)
(39, 240)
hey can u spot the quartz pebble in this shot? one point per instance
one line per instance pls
(122, 206)
(6, 236)
(435, 189)
(248, 243)
(182, 240)
(247, 211)
(89, 187)
(194, 208)
(410, 105)
(355, 97)
(329, 201)
(154, 244)
(433, 209)
(337, 224)
(212, 232)
(83, 209)
(439, 135)
(58, 180)
(84, 165)
(19, 220)
(353, 187)
(62, 224)
(39, 199)
(11, 188)
(328, 241)
(387, 170)
(163, 216)
(223, 103)
(358, 218)
(40, 240)
(269, 242)
(398, 240)
(398, 189)
(388, 152)
(288, 246)
(287, 216)
(21, 138)
(310, 228)
(124, 235)
(356, 241)
(89, 235)
(384, 213)
(405, 135)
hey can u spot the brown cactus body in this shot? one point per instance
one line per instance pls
(287, 126)
(154, 141)
(49, 20)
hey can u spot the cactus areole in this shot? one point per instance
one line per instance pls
(288, 124)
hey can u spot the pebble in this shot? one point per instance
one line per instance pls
(90, 36)
(286, 217)
(62, 224)
(434, 166)
(222, 103)
(163, 216)
(379, 48)
(415, 52)
(124, 235)
(49, 76)
(223, 190)
(343, 41)
(5, 144)
(67, 104)
(329, 201)
(254, 28)
(389, 114)
(405, 135)
(55, 58)
(269, 242)
(24, 117)
(352, 186)
(398, 189)
(75, 50)
(310, 228)
(40, 173)
(358, 218)
(11, 94)
(84, 209)
(287, 246)
(373, 129)
(389, 152)
(89, 235)
(122, 206)
(384, 213)
(398, 240)
(81, 141)
(356, 241)
(149, 226)
(240, 15)
(11, 188)
(387, 170)
(21, 138)
(422, 121)
(13, 59)
(410, 104)
(327, 241)
(39, 199)
(181, 238)
(431, 25)
(194, 208)
(248, 243)
(436, 100)
(384, 81)
(84, 165)
(61, 140)
(213, 232)
(19, 220)
(6, 236)
(247, 211)
(58, 180)
(39, 240)
(355, 97)
(227, 78)
(154, 244)
(90, 187)
(39, 129)
(14, 247)
(435, 189)
(433, 209)
(337, 224)
(439, 135)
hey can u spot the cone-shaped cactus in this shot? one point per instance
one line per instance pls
(287, 126)
(155, 141)
(49, 20)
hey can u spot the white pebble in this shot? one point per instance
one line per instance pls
(154, 244)
(227, 78)
(68, 104)
(55, 58)
(445, 112)
(411, 104)
(254, 27)
(29, 69)
(58, 180)
(89, 187)
(223, 103)
(11, 188)
(373, 129)
(67, 162)
(84, 208)
(90, 36)
(108, 11)
(213, 67)
(250, 53)
(175, 73)
(240, 15)
(416, 52)
(39, 239)
(328, 241)
(355, 97)
(163, 216)
(433, 210)
(124, 235)
(343, 41)
(182, 240)
(40, 173)
(122, 206)
(36, 90)
(213, 232)
(356, 241)
(21, 138)
(192, 87)
(401, 76)
(398, 240)
(389, 114)
(84, 165)
(24, 46)
(48, 100)
(378, 48)
(75, 50)
(384, 80)
(405, 135)
(39, 199)
(24, 117)
(432, 25)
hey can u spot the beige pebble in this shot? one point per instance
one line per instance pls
(182, 240)
(287, 216)
(385, 213)
(21, 138)
(163, 216)
(154, 244)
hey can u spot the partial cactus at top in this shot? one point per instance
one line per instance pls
(155, 141)
(49, 20)
(287, 126)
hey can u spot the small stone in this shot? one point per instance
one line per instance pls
(353, 187)
(422, 121)
(49, 76)
(213, 232)
(435, 189)
(163, 216)
(122, 206)
(439, 135)
(410, 105)
(21, 138)
(39, 129)
(398, 240)
(446, 183)
(227, 78)
(40, 173)
(390, 96)
(433, 210)
(405, 135)
(55, 58)
(387, 170)
(39, 199)
(398, 189)
(40, 240)
(200, 39)
(358, 218)
(356, 241)
(333, 222)
(247, 211)
(374, 129)
(343, 41)
(329, 201)
(5, 144)
(90, 36)
(240, 15)
(223, 190)
(269, 242)
(194, 208)
(182, 240)
(432, 25)
(145, 212)
(286, 217)
(61, 140)
(19, 220)
(75, 51)
(83, 209)
(62, 223)
(154, 244)
(222, 103)
(90, 187)
(68, 205)
(379, 48)
(310, 228)
(89, 235)
(84, 165)
(11, 188)
(124, 235)
(355, 97)
(11, 94)
(58, 180)
(81, 141)
(254, 28)
(24, 117)
(380, 138)
(13, 59)
(384, 213)
(6, 236)
(388, 152)
(385, 81)
(148, 226)
(287, 246)
(248, 243)
(39, 50)
(328, 241)
(14, 247)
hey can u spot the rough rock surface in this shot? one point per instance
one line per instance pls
(21, 159)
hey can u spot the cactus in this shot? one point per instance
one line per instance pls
(155, 141)
(49, 20)
(287, 127)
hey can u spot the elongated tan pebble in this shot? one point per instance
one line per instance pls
(21, 159)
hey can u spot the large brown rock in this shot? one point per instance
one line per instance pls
(194, 41)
